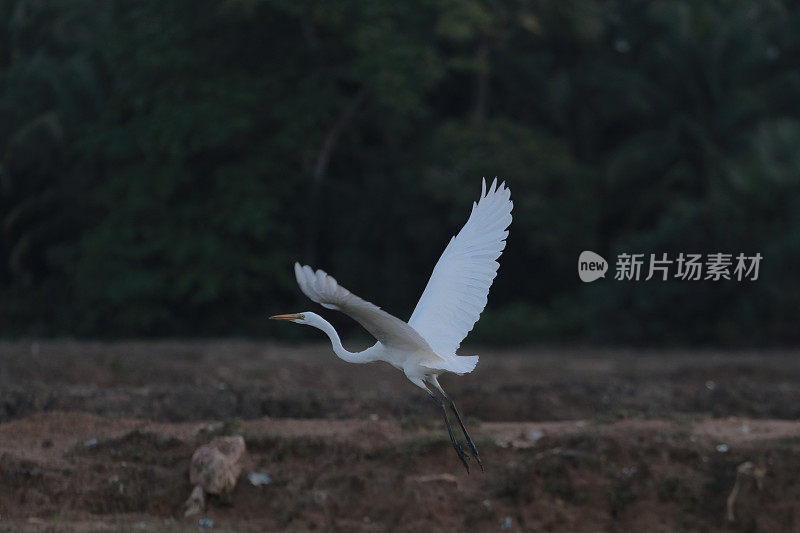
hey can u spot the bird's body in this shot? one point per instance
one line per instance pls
(456, 294)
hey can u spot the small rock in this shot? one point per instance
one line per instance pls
(507, 523)
(259, 479)
(749, 479)
(629, 471)
(196, 502)
(711, 385)
(216, 466)
(374, 417)
(320, 496)
(744, 429)
(205, 523)
(534, 435)
(91, 443)
(722, 448)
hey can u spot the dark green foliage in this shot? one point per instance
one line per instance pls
(163, 164)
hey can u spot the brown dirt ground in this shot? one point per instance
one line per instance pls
(98, 436)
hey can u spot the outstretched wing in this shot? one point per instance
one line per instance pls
(388, 329)
(457, 291)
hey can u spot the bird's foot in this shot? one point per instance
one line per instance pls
(477, 458)
(464, 456)
(474, 451)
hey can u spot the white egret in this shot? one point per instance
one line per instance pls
(426, 345)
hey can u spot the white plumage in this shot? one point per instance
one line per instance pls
(389, 330)
(458, 289)
(450, 305)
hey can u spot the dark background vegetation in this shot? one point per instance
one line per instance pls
(162, 164)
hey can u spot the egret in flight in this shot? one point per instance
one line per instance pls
(426, 345)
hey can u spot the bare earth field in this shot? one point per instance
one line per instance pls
(99, 436)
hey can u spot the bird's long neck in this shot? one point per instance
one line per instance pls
(336, 343)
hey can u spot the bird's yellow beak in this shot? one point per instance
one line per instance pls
(289, 317)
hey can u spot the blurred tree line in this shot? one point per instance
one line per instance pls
(162, 164)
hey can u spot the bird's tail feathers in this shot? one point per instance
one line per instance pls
(459, 364)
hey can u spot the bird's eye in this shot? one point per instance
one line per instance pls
(301, 317)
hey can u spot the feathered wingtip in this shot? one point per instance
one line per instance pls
(312, 283)
(497, 192)
(494, 188)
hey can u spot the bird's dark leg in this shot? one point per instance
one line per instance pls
(456, 446)
(473, 449)
(466, 434)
